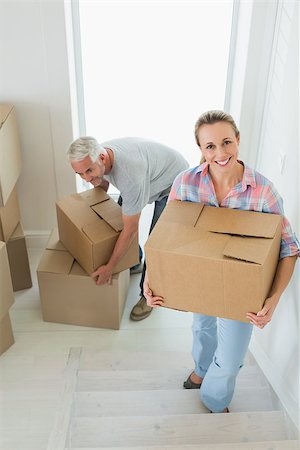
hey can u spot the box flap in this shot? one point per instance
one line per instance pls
(78, 270)
(4, 113)
(238, 222)
(54, 261)
(248, 249)
(111, 213)
(18, 233)
(54, 243)
(98, 231)
(185, 213)
(94, 196)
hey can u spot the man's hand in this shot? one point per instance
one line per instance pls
(102, 275)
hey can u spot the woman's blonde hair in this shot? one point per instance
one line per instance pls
(211, 117)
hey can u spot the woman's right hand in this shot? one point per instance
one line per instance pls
(153, 301)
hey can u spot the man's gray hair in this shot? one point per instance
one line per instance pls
(83, 147)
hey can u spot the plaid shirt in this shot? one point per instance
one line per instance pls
(253, 193)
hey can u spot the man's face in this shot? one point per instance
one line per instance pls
(89, 171)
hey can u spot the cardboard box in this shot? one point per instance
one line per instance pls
(69, 295)
(9, 216)
(6, 290)
(215, 261)
(6, 334)
(18, 260)
(89, 225)
(10, 153)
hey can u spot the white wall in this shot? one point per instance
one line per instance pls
(269, 121)
(34, 77)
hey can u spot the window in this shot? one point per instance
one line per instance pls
(150, 68)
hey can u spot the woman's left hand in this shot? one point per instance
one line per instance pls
(264, 316)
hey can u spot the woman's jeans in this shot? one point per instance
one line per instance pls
(219, 349)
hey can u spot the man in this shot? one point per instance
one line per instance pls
(143, 171)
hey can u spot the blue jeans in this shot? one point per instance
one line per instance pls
(158, 209)
(219, 349)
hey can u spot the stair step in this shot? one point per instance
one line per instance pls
(163, 402)
(105, 360)
(132, 380)
(266, 445)
(177, 430)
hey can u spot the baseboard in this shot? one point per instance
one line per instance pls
(277, 383)
(37, 238)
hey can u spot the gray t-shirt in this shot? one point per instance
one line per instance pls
(143, 171)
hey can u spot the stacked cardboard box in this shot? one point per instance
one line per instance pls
(10, 228)
(6, 301)
(69, 295)
(88, 228)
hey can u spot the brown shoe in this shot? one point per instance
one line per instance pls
(137, 269)
(141, 310)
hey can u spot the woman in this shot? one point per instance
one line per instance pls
(221, 180)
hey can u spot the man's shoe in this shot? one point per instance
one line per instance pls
(141, 310)
(138, 268)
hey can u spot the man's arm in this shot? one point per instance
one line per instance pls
(131, 227)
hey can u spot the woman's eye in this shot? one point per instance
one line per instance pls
(209, 147)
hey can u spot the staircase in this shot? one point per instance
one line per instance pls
(135, 401)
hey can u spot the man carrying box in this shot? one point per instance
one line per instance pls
(143, 171)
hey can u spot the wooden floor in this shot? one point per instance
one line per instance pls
(64, 387)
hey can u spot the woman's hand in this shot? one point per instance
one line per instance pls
(264, 316)
(153, 301)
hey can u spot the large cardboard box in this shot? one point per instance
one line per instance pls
(18, 260)
(10, 154)
(9, 216)
(6, 334)
(89, 225)
(6, 290)
(215, 261)
(69, 295)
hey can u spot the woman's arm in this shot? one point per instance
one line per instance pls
(284, 272)
(153, 301)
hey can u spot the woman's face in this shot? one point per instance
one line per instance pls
(219, 146)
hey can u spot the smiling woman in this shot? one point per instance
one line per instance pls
(148, 68)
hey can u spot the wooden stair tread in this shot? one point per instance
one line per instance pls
(106, 360)
(178, 429)
(265, 445)
(123, 380)
(163, 402)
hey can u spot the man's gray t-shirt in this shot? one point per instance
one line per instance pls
(143, 171)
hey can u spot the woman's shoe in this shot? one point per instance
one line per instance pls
(225, 410)
(189, 384)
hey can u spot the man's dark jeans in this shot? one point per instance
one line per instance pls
(158, 209)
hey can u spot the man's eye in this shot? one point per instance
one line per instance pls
(227, 142)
